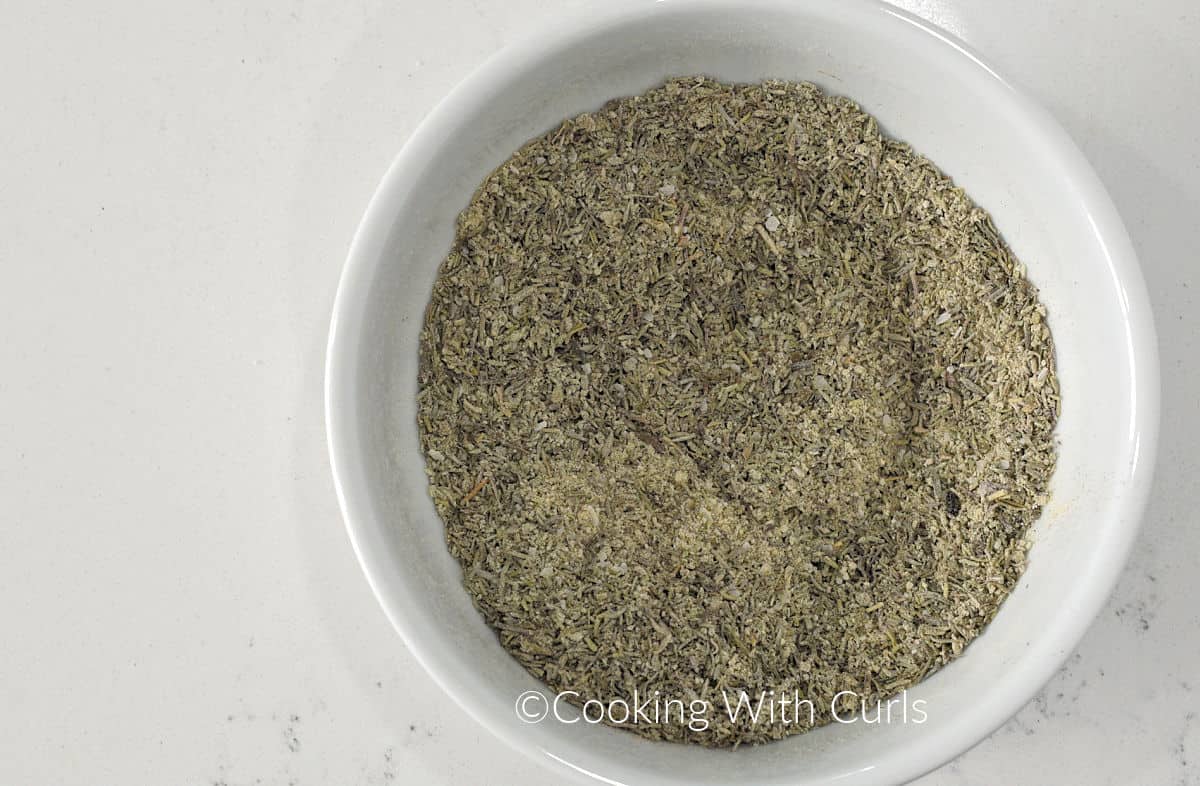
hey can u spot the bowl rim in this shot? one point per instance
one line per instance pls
(1054, 646)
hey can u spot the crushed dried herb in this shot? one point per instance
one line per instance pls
(723, 389)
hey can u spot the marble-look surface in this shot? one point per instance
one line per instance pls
(180, 184)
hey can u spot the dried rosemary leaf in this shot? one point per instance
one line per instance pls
(722, 389)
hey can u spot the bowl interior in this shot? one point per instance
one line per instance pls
(925, 89)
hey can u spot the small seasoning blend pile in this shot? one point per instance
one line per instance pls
(721, 389)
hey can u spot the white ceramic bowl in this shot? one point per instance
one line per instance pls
(925, 87)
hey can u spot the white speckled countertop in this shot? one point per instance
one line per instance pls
(180, 602)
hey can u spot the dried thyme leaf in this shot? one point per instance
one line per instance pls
(722, 389)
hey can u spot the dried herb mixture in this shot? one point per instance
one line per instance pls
(723, 389)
